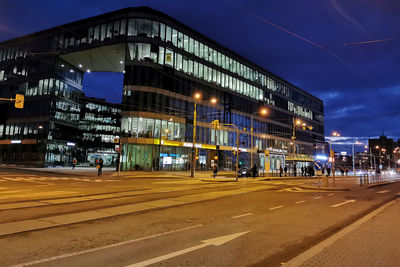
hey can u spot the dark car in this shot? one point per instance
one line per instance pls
(245, 172)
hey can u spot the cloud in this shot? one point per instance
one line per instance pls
(345, 111)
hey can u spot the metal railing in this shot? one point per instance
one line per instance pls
(367, 179)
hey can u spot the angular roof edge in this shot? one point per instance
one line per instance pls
(148, 10)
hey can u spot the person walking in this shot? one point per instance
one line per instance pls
(255, 171)
(280, 171)
(215, 170)
(294, 170)
(328, 171)
(74, 161)
(285, 169)
(100, 167)
(302, 170)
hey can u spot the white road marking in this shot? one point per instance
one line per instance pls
(317, 197)
(340, 204)
(383, 191)
(299, 202)
(105, 247)
(331, 194)
(37, 194)
(277, 207)
(218, 241)
(14, 191)
(243, 215)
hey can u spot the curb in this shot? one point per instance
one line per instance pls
(381, 184)
(324, 188)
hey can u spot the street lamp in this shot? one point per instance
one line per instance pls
(263, 111)
(356, 143)
(298, 123)
(197, 99)
(380, 155)
(331, 152)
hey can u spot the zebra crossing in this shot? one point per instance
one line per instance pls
(43, 179)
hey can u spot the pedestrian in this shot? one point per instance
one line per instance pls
(255, 171)
(328, 171)
(285, 169)
(99, 167)
(294, 170)
(74, 161)
(215, 170)
(280, 171)
(323, 171)
(117, 163)
(302, 170)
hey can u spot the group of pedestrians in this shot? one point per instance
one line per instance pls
(99, 165)
(305, 171)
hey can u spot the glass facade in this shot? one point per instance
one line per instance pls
(165, 63)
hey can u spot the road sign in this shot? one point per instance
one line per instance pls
(318, 165)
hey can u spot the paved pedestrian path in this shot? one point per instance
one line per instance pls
(372, 241)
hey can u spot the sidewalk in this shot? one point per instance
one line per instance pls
(341, 183)
(371, 241)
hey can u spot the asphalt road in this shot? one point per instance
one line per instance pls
(260, 223)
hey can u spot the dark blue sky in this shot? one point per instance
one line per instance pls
(360, 84)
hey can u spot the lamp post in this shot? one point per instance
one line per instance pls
(379, 155)
(396, 153)
(354, 168)
(197, 99)
(264, 112)
(216, 126)
(384, 151)
(332, 153)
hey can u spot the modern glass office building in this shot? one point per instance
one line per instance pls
(165, 63)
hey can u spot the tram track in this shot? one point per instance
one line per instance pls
(32, 209)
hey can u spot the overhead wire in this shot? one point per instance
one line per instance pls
(313, 43)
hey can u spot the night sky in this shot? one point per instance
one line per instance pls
(300, 41)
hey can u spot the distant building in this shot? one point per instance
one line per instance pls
(382, 148)
(100, 130)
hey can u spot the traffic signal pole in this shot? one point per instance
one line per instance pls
(216, 125)
(19, 100)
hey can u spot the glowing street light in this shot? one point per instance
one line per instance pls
(356, 143)
(263, 112)
(197, 99)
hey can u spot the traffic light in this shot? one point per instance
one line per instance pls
(215, 123)
(19, 101)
